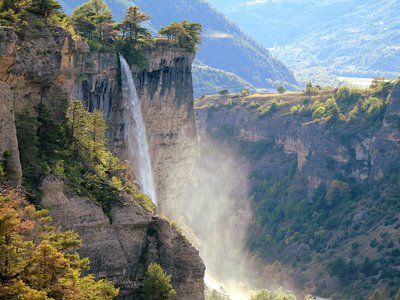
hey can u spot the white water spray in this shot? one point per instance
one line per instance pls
(138, 148)
(217, 209)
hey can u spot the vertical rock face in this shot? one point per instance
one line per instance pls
(41, 69)
(120, 250)
(385, 153)
(9, 154)
(53, 68)
(317, 151)
(8, 43)
(166, 93)
(97, 85)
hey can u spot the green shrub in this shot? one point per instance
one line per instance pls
(212, 294)
(271, 108)
(294, 109)
(347, 97)
(245, 93)
(253, 105)
(319, 112)
(134, 56)
(59, 170)
(278, 294)
(281, 89)
(382, 88)
(157, 284)
(337, 191)
(145, 202)
(373, 105)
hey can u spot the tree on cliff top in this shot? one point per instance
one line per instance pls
(45, 8)
(130, 25)
(93, 20)
(281, 89)
(36, 262)
(157, 284)
(18, 13)
(186, 34)
(11, 13)
(16, 5)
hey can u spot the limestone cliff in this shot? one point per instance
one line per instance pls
(316, 148)
(8, 136)
(52, 68)
(324, 190)
(165, 89)
(122, 248)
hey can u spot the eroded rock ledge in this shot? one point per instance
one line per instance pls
(120, 247)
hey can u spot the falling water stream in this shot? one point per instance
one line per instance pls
(138, 148)
(215, 202)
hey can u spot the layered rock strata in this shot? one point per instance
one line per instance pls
(52, 68)
(9, 153)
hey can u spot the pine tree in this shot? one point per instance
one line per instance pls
(96, 132)
(93, 20)
(157, 284)
(6, 5)
(49, 131)
(45, 8)
(77, 117)
(130, 25)
(186, 34)
(36, 262)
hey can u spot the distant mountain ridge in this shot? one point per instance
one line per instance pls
(225, 47)
(316, 38)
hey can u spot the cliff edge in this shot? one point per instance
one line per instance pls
(52, 68)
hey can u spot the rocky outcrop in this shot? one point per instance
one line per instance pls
(319, 151)
(40, 68)
(121, 249)
(8, 44)
(52, 68)
(165, 89)
(319, 188)
(9, 154)
(384, 145)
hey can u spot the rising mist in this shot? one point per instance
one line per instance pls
(217, 209)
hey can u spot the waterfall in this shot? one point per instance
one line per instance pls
(135, 130)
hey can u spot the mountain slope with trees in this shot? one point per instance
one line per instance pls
(224, 45)
(331, 37)
(324, 183)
